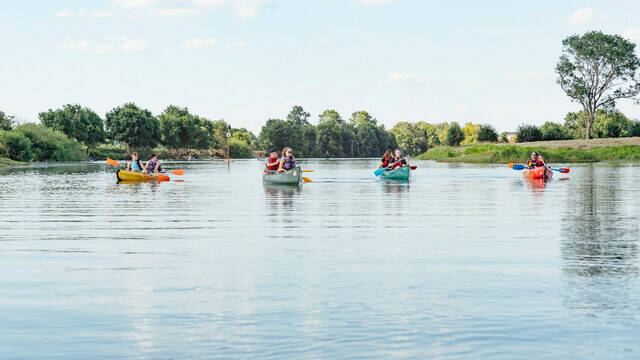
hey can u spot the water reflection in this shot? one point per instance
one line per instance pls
(395, 186)
(600, 242)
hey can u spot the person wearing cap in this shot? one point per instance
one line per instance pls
(153, 165)
(271, 163)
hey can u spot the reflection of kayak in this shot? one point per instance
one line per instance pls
(124, 175)
(538, 173)
(291, 177)
(401, 173)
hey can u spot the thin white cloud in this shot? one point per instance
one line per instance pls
(632, 34)
(74, 45)
(400, 76)
(527, 75)
(372, 2)
(175, 12)
(473, 84)
(581, 16)
(199, 43)
(82, 13)
(242, 44)
(133, 45)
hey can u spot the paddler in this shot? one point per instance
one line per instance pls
(398, 160)
(287, 161)
(387, 159)
(533, 161)
(541, 160)
(135, 164)
(153, 165)
(271, 163)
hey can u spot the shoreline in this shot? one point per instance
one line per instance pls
(4, 162)
(565, 151)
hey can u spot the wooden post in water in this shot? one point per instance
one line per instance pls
(228, 146)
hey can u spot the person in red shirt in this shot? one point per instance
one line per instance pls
(271, 163)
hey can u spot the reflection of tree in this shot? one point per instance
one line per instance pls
(599, 246)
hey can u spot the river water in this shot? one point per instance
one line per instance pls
(462, 262)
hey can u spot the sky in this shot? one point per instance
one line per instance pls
(245, 61)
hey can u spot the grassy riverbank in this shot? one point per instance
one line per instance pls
(574, 151)
(8, 162)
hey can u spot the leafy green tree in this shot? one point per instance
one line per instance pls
(279, 134)
(503, 137)
(79, 123)
(613, 124)
(329, 132)
(349, 142)
(487, 133)
(179, 129)
(239, 149)
(432, 134)
(15, 145)
(330, 115)
(596, 69)
(362, 117)
(6, 121)
(528, 133)
(633, 128)
(243, 135)
(470, 131)
(412, 139)
(49, 144)
(455, 136)
(133, 126)
(553, 131)
(298, 116)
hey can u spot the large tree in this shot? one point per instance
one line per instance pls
(133, 126)
(597, 69)
(179, 129)
(79, 123)
(6, 121)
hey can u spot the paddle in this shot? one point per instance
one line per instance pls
(522, 167)
(307, 170)
(174, 172)
(413, 167)
(306, 179)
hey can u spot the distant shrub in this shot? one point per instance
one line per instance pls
(48, 144)
(503, 137)
(633, 128)
(553, 131)
(487, 133)
(238, 149)
(528, 133)
(454, 135)
(15, 145)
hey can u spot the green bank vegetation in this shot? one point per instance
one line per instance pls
(502, 154)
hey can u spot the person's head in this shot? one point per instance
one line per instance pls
(534, 155)
(134, 156)
(387, 154)
(398, 152)
(540, 157)
(273, 152)
(287, 152)
(153, 157)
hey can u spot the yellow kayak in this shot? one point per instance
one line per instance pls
(124, 175)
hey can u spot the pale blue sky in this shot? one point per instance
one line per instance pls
(250, 60)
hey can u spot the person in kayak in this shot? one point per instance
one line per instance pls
(271, 163)
(287, 162)
(398, 160)
(541, 160)
(533, 161)
(153, 165)
(387, 159)
(135, 164)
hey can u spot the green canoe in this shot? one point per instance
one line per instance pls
(401, 173)
(291, 177)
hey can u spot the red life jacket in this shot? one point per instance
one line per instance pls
(272, 160)
(398, 162)
(533, 163)
(386, 162)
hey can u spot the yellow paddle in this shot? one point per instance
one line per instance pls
(307, 170)
(306, 179)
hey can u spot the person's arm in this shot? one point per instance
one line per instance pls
(128, 168)
(144, 168)
(281, 165)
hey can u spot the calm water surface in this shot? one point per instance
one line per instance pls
(462, 262)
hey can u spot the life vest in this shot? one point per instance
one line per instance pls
(398, 162)
(272, 160)
(151, 166)
(386, 161)
(531, 164)
(136, 165)
(289, 163)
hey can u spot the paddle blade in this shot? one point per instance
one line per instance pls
(178, 172)
(413, 167)
(511, 165)
(306, 179)
(307, 170)
(518, 167)
(112, 162)
(163, 177)
(379, 171)
(563, 170)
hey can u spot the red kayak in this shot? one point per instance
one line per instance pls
(538, 173)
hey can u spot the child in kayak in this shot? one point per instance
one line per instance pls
(541, 161)
(398, 160)
(135, 164)
(153, 165)
(533, 161)
(386, 159)
(271, 163)
(287, 162)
